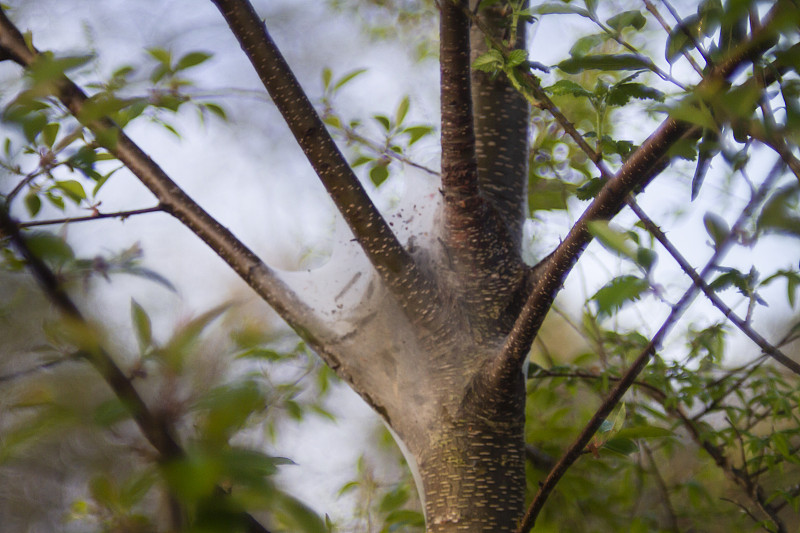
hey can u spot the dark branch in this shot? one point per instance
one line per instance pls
(155, 430)
(637, 171)
(96, 216)
(615, 396)
(393, 263)
(745, 328)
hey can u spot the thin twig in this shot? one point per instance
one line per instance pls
(615, 396)
(96, 216)
(743, 326)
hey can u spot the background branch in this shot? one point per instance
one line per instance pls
(615, 395)
(745, 328)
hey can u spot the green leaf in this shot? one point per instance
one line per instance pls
(161, 55)
(192, 59)
(49, 134)
(611, 239)
(33, 203)
(396, 520)
(347, 78)
(327, 75)
(589, 190)
(379, 173)
(295, 516)
(780, 213)
(620, 94)
(110, 412)
(516, 57)
(46, 67)
(621, 446)
(383, 121)
(416, 133)
(568, 87)
(217, 110)
(618, 292)
(681, 37)
(180, 345)
(141, 326)
(402, 109)
(634, 19)
(73, 189)
(792, 284)
(644, 432)
(559, 9)
(548, 194)
(575, 65)
(393, 500)
(491, 61)
(50, 248)
(717, 228)
(587, 43)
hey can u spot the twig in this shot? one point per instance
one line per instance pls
(672, 519)
(615, 396)
(97, 216)
(762, 343)
(38, 368)
(697, 46)
(157, 431)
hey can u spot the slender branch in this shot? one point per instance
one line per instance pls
(615, 396)
(95, 216)
(176, 202)
(636, 172)
(745, 328)
(157, 432)
(692, 38)
(661, 484)
(13, 376)
(393, 263)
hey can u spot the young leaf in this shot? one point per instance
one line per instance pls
(559, 9)
(33, 203)
(617, 293)
(192, 59)
(402, 109)
(634, 19)
(347, 78)
(717, 228)
(575, 65)
(141, 326)
(611, 239)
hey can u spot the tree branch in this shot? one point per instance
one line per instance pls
(745, 328)
(636, 172)
(615, 396)
(393, 263)
(96, 216)
(156, 430)
(173, 200)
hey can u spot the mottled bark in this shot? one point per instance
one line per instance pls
(502, 117)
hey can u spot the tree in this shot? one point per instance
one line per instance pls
(438, 344)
